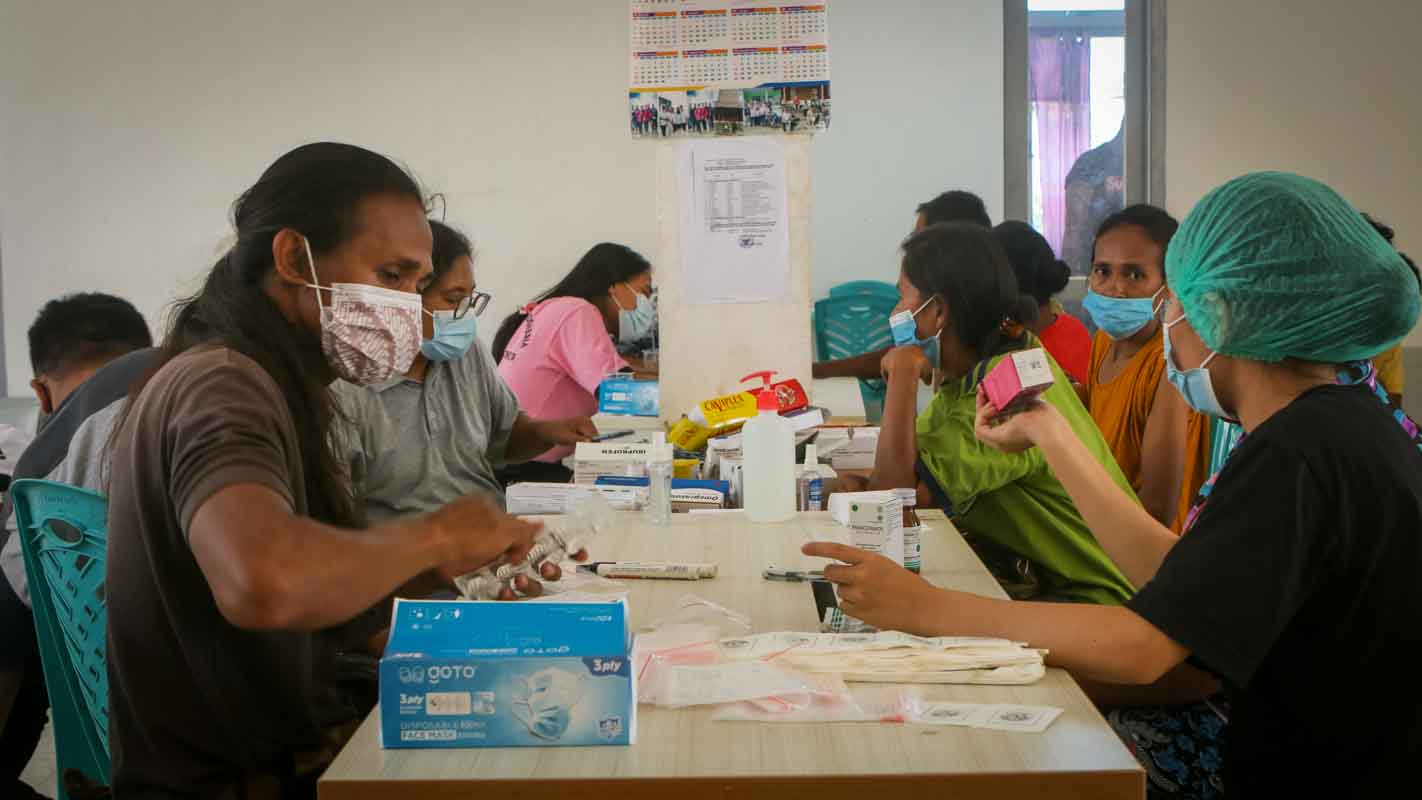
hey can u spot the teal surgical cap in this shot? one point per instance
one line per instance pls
(1272, 266)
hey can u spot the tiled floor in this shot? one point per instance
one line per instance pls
(40, 774)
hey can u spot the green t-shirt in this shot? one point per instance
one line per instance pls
(1014, 500)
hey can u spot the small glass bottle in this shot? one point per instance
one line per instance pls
(809, 486)
(913, 530)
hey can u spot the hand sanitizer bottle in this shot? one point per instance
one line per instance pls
(768, 441)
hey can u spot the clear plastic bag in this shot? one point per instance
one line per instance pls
(671, 646)
(693, 610)
(899, 704)
(769, 685)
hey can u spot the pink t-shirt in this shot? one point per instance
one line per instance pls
(555, 361)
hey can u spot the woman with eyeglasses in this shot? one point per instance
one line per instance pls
(440, 430)
(557, 349)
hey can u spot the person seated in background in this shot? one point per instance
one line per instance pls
(438, 432)
(642, 353)
(1161, 445)
(555, 351)
(1301, 568)
(1389, 362)
(955, 205)
(1041, 275)
(239, 566)
(968, 314)
(85, 351)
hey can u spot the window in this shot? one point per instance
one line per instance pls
(1078, 109)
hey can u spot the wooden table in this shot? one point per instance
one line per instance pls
(681, 754)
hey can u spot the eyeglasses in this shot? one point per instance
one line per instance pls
(476, 301)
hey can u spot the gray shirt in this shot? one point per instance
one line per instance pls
(414, 447)
(85, 465)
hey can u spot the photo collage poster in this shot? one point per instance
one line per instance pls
(700, 68)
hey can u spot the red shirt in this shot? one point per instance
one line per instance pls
(1069, 343)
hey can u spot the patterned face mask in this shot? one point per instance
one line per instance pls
(368, 334)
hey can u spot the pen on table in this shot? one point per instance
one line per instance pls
(651, 569)
(792, 575)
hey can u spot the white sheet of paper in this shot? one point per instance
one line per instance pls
(735, 242)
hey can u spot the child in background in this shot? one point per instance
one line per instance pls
(1161, 445)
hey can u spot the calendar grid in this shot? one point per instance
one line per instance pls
(725, 67)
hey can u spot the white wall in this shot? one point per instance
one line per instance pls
(1318, 87)
(129, 128)
(917, 110)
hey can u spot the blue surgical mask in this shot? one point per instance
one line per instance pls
(636, 324)
(905, 331)
(1120, 317)
(452, 337)
(1193, 384)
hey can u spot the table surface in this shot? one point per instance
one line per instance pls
(683, 752)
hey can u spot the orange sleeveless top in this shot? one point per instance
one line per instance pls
(1122, 407)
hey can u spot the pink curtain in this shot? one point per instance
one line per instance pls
(1059, 87)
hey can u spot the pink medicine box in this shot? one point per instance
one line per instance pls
(1018, 379)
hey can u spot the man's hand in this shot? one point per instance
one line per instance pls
(473, 532)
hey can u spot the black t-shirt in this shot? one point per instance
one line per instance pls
(1301, 585)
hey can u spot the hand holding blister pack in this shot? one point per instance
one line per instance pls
(590, 517)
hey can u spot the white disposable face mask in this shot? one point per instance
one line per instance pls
(368, 334)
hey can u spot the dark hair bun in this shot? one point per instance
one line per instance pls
(1055, 276)
(1039, 273)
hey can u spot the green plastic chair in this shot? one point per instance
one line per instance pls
(63, 534)
(851, 324)
(879, 288)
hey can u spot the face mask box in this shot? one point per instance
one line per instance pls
(461, 674)
(1018, 380)
(593, 460)
(858, 451)
(623, 394)
(875, 521)
(525, 499)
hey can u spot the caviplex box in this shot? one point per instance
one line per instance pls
(541, 674)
